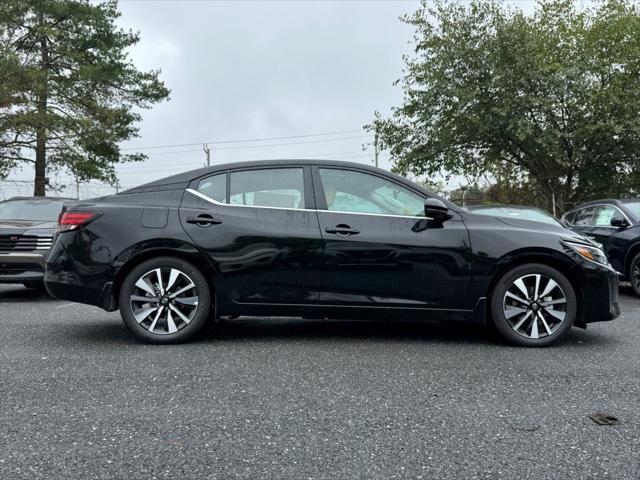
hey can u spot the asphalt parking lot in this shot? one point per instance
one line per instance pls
(275, 399)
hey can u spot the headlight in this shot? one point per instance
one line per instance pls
(593, 254)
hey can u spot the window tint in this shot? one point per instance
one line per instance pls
(273, 187)
(215, 187)
(357, 192)
(584, 217)
(604, 214)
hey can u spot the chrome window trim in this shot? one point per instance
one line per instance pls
(215, 202)
(374, 214)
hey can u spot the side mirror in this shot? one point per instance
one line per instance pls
(436, 209)
(619, 222)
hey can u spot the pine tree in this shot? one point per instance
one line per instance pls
(68, 91)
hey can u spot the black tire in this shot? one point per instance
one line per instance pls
(35, 285)
(634, 275)
(520, 338)
(186, 330)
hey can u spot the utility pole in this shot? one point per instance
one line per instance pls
(375, 148)
(207, 152)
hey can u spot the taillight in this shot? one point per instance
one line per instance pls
(74, 220)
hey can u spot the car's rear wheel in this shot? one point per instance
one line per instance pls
(164, 300)
(533, 305)
(634, 275)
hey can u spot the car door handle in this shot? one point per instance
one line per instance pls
(342, 230)
(204, 220)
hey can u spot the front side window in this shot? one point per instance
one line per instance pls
(357, 192)
(584, 217)
(604, 214)
(269, 187)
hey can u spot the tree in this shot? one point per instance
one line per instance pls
(549, 98)
(68, 92)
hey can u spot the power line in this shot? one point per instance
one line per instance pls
(328, 140)
(221, 142)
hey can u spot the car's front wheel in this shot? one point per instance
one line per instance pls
(533, 305)
(164, 300)
(634, 275)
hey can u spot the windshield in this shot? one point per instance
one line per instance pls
(30, 210)
(519, 213)
(634, 208)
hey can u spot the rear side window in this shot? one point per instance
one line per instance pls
(214, 187)
(569, 217)
(269, 187)
(584, 217)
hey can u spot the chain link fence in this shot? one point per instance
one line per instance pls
(81, 191)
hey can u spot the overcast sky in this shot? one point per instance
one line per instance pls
(259, 69)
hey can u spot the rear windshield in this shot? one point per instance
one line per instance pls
(30, 210)
(519, 213)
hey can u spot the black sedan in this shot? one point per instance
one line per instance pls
(616, 225)
(320, 239)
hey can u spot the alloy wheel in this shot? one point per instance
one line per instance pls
(535, 306)
(164, 300)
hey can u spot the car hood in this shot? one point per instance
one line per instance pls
(564, 233)
(18, 227)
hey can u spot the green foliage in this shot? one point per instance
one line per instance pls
(549, 99)
(68, 91)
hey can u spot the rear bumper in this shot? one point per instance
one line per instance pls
(18, 267)
(77, 281)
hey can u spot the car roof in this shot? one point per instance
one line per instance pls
(200, 172)
(44, 199)
(615, 201)
(181, 179)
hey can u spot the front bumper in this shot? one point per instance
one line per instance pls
(18, 267)
(600, 300)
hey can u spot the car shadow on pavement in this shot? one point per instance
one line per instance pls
(18, 294)
(625, 289)
(98, 329)
(246, 328)
(260, 330)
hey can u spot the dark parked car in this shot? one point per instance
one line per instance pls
(320, 239)
(515, 211)
(616, 225)
(27, 226)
